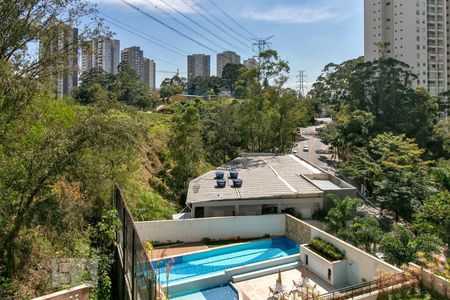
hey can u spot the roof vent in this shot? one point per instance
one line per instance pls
(234, 174)
(219, 174)
(220, 183)
(237, 183)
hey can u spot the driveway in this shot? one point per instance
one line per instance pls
(319, 153)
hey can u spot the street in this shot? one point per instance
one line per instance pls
(318, 154)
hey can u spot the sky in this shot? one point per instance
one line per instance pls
(307, 33)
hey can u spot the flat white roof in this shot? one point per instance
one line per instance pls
(264, 177)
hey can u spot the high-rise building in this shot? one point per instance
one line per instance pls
(60, 47)
(150, 73)
(251, 63)
(102, 53)
(134, 58)
(413, 31)
(226, 57)
(198, 65)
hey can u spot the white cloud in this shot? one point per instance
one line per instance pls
(181, 5)
(292, 14)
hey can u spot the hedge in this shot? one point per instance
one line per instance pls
(325, 249)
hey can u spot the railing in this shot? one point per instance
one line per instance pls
(135, 277)
(364, 288)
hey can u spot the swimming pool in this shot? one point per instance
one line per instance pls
(224, 292)
(215, 261)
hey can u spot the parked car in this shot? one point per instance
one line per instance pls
(305, 148)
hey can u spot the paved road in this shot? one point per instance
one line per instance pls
(317, 150)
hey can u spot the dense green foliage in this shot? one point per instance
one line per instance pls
(385, 135)
(59, 160)
(325, 249)
(97, 85)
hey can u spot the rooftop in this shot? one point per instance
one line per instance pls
(265, 176)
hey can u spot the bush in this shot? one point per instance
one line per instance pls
(325, 249)
(319, 214)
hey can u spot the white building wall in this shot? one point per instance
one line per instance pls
(413, 31)
(193, 230)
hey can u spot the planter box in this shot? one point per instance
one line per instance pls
(333, 272)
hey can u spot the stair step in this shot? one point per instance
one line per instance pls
(263, 272)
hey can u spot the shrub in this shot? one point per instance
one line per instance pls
(325, 249)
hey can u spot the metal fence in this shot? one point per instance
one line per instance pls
(365, 288)
(135, 277)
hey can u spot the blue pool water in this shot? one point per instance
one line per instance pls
(225, 292)
(216, 261)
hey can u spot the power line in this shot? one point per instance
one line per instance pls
(232, 19)
(154, 39)
(168, 26)
(145, 38)
(190, 28)
(197, 10)
(222, 22)
(199, 25)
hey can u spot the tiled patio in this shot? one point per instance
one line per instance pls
(258, 288)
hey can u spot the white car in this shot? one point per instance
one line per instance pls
(305, 148)
(294, 151)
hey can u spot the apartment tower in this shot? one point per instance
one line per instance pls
(226, 57)
(251, 63)
(150, 73)
(102, 53)
(412, 31)
(60, 45)
(134, 58)
(198, 65)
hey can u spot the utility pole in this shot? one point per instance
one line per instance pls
(301, 82)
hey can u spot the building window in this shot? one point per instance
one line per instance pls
(199, 212)
(306, 259)
(329, 274)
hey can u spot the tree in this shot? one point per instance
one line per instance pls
(186, 150)
(287, 114)
(434, 216)
(364, 232)
(382, 88)
(343, 212)
(125, 87)
(230, 76)
(401, 246)
(130, 90)
(348, 131)
(393, 171)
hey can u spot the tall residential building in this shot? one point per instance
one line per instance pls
(150, 73)
(134, 57)
(251, 63)
(60, 45)
(413, 31)
(102, 53)
(198, 65)
(226, 57)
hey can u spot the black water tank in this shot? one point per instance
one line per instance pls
(221, 183)
(234, 174)
(219, 174)
(237, 183)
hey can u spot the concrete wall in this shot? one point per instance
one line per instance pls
(319, 265)
(360, 265)
(76, 293)
(434, 282)
(193, 230)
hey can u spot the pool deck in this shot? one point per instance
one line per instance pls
(258, 288)
(175, 250)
